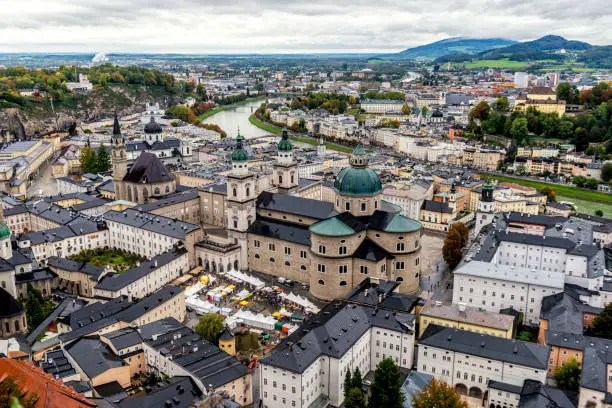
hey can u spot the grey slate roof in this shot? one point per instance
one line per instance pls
(280, 230)
(117, 281)
(316, 209)
(154, 223)
(198, 356)
(57, 364)
(173, 199)
(370, 251)
(178, 392)
(594, 374)
(534, 394)
(564, 313)
(436, 206)
(148, 169)
(576, 341)
(332, 332)
(74, 266)
(485, 346)
(8, 305)
(93, 356)
(123, 338)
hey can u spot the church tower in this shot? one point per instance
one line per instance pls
(119, 159)
(486, 209)
(452, 198)
(241, 195)
(321, 148)
(286, 176)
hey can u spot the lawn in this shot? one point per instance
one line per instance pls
(500, 63)
(588, 207)
(571, 193)
(119, 260)
(304, 139)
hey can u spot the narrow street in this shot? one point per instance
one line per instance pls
(436, 280)
(44, 184)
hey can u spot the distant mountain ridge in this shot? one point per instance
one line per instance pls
(451, 46)
(531, 49)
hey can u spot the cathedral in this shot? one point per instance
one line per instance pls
(329, 246)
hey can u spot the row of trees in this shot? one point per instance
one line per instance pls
(188, 115)
(95, 163)
(333, 103)
(394, 95)
(594, 125)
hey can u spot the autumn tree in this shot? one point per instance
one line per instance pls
(549, 192)
(480, 111)
(210, 326)
(438, 394)
(567, 375)
(453, 243)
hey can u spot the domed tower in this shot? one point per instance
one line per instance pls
(486, 208)
(153, 131)
(358, 187)
(119, 159)
(285, 169)
(452, 198)
(241, 197)
(6, 251)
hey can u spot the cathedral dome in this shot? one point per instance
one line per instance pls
(152, 127)
(358, 180)
(285, 145)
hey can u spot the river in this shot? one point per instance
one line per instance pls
(233, 118)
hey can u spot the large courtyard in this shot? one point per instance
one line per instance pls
(119, 261)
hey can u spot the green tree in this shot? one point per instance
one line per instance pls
(551, 194)
(566, 129)
(12, 396)
(599, 213)
(37, 308)
(386, 390)
(606, 172)
(519, 130)
(210, 327)
(103, 160)
(424, 111)
(88, 160)
(438, 394)
(591, 183)
(355, 399)
(348, 383)
(579, 180)
(501, 105)
(566, 92)
(602, 324)
(568, 375)
(356, 381)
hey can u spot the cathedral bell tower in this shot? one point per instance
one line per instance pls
(286, 176)
(119, 159)
(486, 208)
(241, 195)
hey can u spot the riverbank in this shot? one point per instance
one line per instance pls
(218, 109)
(303, 139)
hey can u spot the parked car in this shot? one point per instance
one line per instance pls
(252, 364)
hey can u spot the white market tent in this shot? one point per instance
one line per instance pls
(251, 280)
(300, 301)
(251, 319)
(194, 290)
(200, 306)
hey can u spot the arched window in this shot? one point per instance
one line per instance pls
(280, 179)
(135, 194)
(321, 282)
(303, 267)
(342, 250)
(256, 256)
(167, 189)
(234, 192)
(400, 246)
(145, 195)
(129, 189)
(287, 263)
(272, 260)
(16, 325)
(156, 191)
(342, 283)
(399, 279)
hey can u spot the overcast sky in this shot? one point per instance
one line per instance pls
(267, 26)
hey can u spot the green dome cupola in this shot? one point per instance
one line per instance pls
(358, 180)
(239, 154)
(285, 144)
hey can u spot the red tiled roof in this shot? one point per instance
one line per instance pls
(51, 393)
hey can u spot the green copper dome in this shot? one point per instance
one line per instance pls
(239, 154)
(5, 232)
(331, 227)
(357, 181)
(285, 145)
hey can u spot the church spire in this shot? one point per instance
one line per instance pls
(116, 127)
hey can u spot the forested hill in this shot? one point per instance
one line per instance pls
(451, 46)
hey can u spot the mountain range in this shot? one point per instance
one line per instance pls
(448, 46)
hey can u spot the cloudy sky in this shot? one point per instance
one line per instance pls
(267, 26)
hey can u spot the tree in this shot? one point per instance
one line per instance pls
(88, 160)
(463, 231)
(406, 110)
(354, 399)
(210, 326)
(606, 172)
(551, 194)
(599, 213)
(519, 130)
(568, 375)
(579, 180)
(566, 92)
(480, 111)
(591, 183)
(103, 161)
(451, 250)
(386, 390)
(34, 307)
(348, 383)
(11, 395)
(501, 105)
(438, 394)
(602, 324)
(356, 381)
